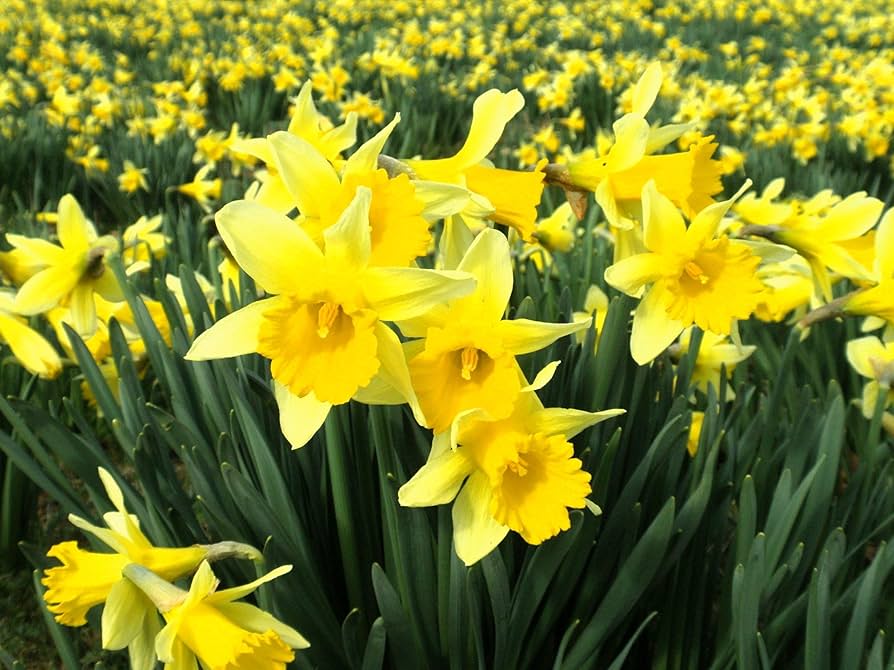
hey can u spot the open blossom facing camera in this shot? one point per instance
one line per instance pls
(690, 276)
(323, 330)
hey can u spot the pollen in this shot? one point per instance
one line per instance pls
(695, 271)
(469, 359)
(326, 318)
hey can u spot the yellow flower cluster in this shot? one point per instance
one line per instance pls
(134, 584)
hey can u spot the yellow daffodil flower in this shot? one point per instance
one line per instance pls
(878, 301)
(86, 579)
(714, 354)
(695, 432)
(694, 277)
(511, 195)
(323, 331)
(205, 626)
(142, 241)
(203, 191)
(72, 272)
(401, 209)
(595, 308)
(520, 474)
(28, 346)
(874, 360)
(467, 357)
(132, 178)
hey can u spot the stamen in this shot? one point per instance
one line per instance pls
(695, 271)
(326, 317)
(519, 467)
(469, 360)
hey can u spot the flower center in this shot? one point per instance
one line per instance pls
(695, 271)
(469, 360)
(326, 318)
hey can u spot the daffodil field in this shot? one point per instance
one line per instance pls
(363, 334)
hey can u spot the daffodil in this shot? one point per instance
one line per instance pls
(86, 579)
(617, 177)
(28, 346)
(715, 354)
(205, 626)
(595, 308)
(401, 209)
(874, 360)
(878, 300)
(132, 178)
(70, 273)
(201, 189)
(312, 127)
(693, 276)
(467, 357)
(512, 195)
(323, 330)
(520, 474)
(695, 433)
(142, 240)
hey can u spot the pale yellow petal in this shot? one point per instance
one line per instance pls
(438, 481)
(393, 374)
(663, 225)
(123, 613)
(270, 247)
(234, 335)
(30, 348)
(522, 336)
(72, 226)
(705, 224)
(568, 422)
(631, 136)
(646, 89)
(308, 176)
(348, 241)
(83, 309)
(861, 351)
(299, 418)
(632, 273)
(488, 260)
(404, 293)
(366, 158)
(491, 112)
(257, 620)
(475, 531)
(851, 217)
(45, 289)
(237, 592)
(440, 200)
(653, 330)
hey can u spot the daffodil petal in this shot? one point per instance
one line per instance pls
(299, 418)
(38, 251)
(884, 247)
(366, 158)
(475, 531)
(491, 112)
(851, 217)
(568, 422)
(646, 89)
(270, 247)
(632, 273)
(257, 620)
(541, 379)
(653, 329)
(45, 289)
(123, 613)
(440, 200)
(83, 310)
(522, 336)
(142, 648)
(631, 136)
(30, 348)
(348, 241)
(308, 176)
(393, 370)
(234, 335)
(72, 226)
(404, 293)
(456, 238)
(860, 351)
(488, 260)
(438, 481)
(663, 225)
(705, 224)
(237, 592)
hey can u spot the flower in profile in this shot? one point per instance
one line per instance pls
(693, 276)
(467, 357)
(86, 579)
(518, 474)
(206, 626)
(142, 240)
(874, 360)
(70, 273)
(877, 301)
(595, 308)
(512, 195)
(323, 330)
(28, 346)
